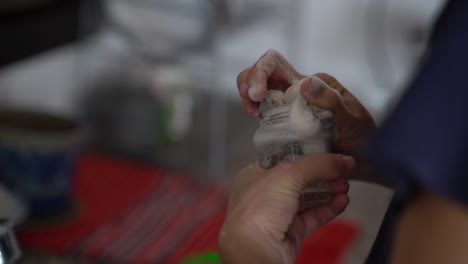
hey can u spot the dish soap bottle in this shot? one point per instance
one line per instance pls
(291, 129)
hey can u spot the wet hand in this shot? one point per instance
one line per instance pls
(273, 72)
(263, 224)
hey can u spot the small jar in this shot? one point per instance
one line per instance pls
(290, 130)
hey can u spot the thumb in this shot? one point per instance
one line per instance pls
(318, 93)
(318, 167)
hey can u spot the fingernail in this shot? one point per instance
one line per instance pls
(348, 162)
(255, 93)
(315, 86)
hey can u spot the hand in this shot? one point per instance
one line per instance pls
(273, 72)
(263, 225)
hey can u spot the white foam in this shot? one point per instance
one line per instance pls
(297, 124)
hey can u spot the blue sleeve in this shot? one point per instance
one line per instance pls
(424, 142)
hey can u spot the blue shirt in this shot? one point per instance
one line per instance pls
(424, 142)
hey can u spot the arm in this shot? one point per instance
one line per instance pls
(432, 229)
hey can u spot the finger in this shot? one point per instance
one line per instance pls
(272, 62)
(334, 186)
(317, 167)
(351, 102)
(332, 82)
(318, 93)
(249, 107)
(258, 77)
(338, 186)
(319, 216)
(242, 83)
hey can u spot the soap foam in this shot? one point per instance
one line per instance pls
(290, 130)
(289, 121)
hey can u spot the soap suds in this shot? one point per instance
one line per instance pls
(291, 129)
(288, 119)
(273, 99)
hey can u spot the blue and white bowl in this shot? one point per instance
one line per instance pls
(37, 159)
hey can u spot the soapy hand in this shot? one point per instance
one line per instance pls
(263, 225)
(273, 72)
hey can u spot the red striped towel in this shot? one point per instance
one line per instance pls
(134, 214)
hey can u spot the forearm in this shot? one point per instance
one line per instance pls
(431, 229)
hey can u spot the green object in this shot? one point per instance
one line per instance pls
(203, 258)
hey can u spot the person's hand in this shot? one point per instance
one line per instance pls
(263, 224)
(273, 72)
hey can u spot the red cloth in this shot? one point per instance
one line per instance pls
(104, 187)
(328, 244)
(135, 214)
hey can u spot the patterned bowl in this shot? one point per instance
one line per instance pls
(37, 158)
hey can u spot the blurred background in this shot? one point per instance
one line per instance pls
(120, 126)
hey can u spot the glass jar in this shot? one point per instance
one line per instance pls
(290, 130)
